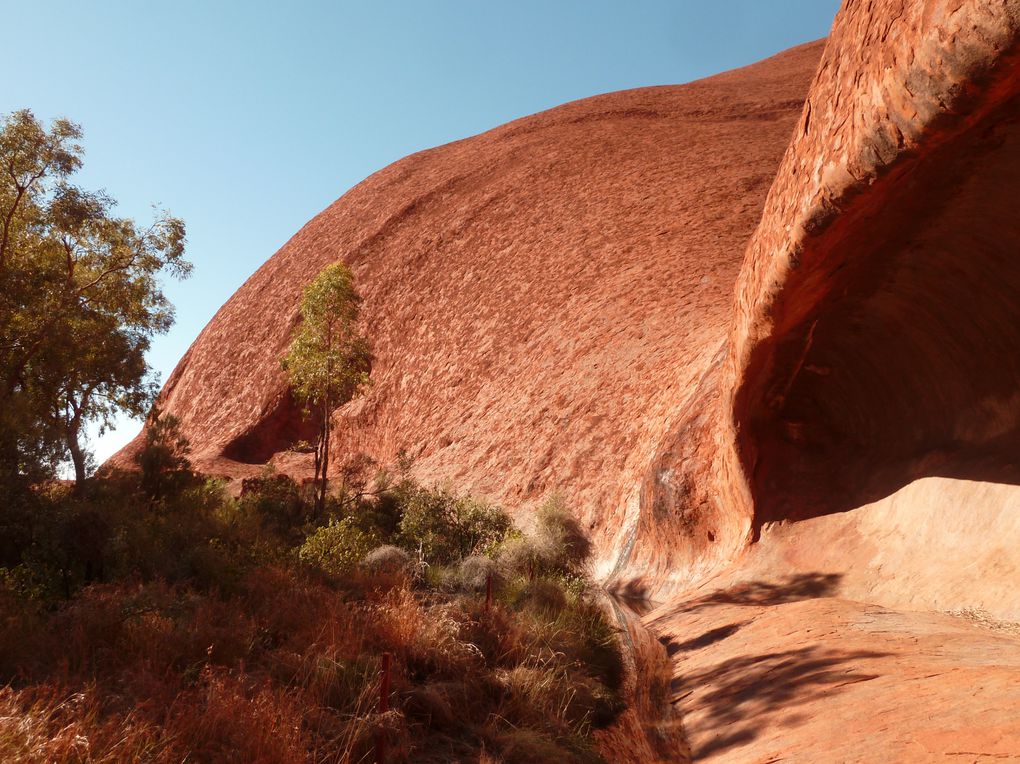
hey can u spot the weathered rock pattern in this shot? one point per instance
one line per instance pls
(869, 420)
(540, 298)
(805, 461)
(877, 308)
(874, 333)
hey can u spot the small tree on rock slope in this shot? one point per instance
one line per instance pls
(328, 361)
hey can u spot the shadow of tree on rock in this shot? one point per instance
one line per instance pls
(802, 586)
(741, 697)
(631, 590)
(736, 700)
(708, 638)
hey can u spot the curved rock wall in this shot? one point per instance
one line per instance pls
(541, 299)
(876, 311)
(876, 340)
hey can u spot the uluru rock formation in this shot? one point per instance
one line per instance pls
(762, 329)
(540, 298)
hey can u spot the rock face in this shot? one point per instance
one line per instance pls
(867, 416)
(763, 329)
(541, 299)
(874, 333)
(874, 371)
(876, 323)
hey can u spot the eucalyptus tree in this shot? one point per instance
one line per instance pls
(328, 360)
(80, 300)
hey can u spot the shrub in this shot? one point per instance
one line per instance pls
(519, 555)
(474, 573)
(544, 596)
(556, 546)
(163, 460)
(386, 511)
(19, 511)
(61, 547)
(195, 534)
(598, 643)
(386, 560)
(276, 500)
(447, 528)
(560, 542)
(336, 548)
(428, 524)
(481, 526)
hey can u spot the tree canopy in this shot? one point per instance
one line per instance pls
(80, 300)
(328, 360)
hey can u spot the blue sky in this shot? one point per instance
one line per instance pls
(248, 118)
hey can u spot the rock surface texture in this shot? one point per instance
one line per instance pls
(763, 329)
(541, 299)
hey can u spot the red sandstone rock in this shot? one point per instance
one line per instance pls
(864, 426)
(540, 298)
(766, 675)
(552, 307)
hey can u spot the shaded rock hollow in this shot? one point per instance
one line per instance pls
(761, 328)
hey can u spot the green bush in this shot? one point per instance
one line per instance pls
(19, 511)
(336, 548)
(386, 510)
(447, 528)
(163, 460)
(481, 526)
(276, 501)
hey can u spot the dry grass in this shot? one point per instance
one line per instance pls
(45, 724)
(286, 669)
(219, 641)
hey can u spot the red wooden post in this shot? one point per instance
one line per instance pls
(488, 593)
(384, 706)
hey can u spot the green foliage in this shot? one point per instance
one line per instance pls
(19, 509)
(337, 548)
(329, 359)
(277, 502)
(56, 543)
(382, 512)
(447, 528)
(163, 460)
(79, 301)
